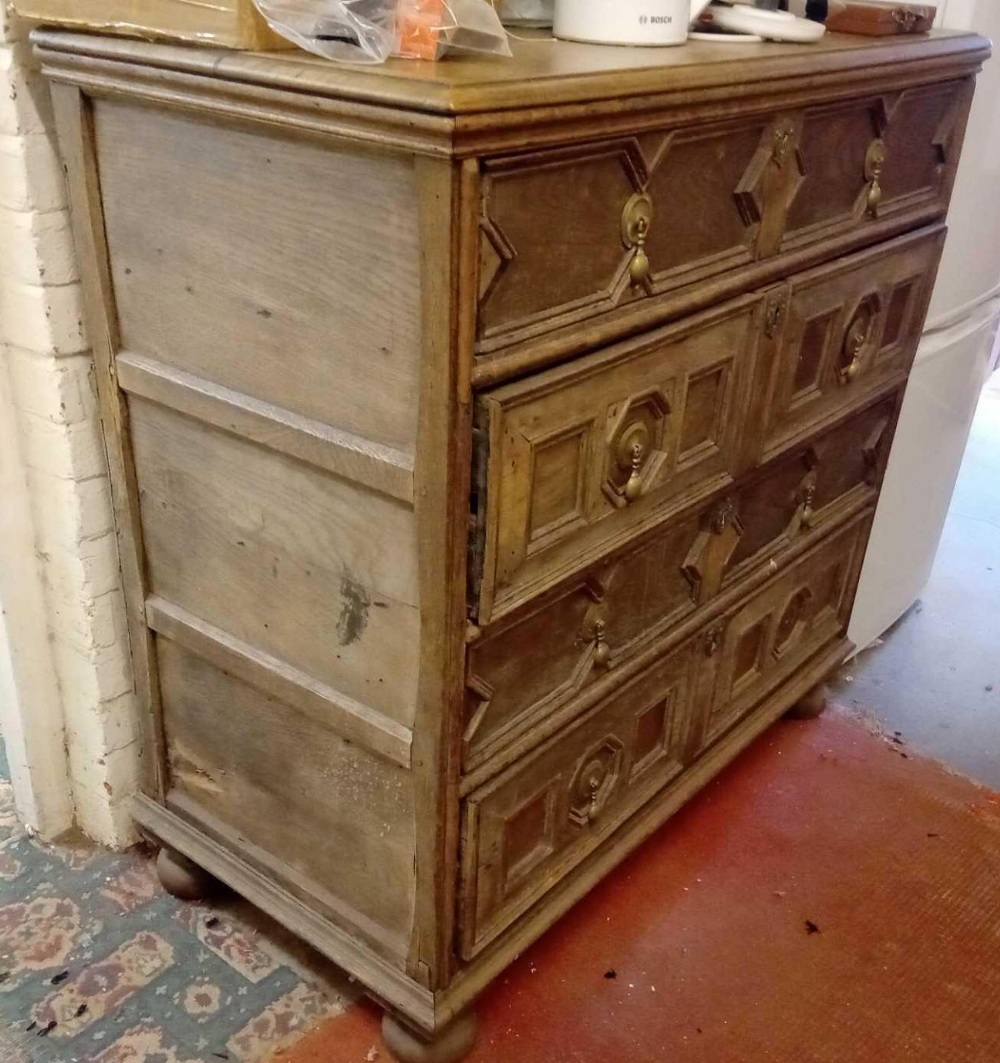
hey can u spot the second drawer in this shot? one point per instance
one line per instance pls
(576, 462)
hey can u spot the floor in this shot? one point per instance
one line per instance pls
(831, 898)
(99, 965)
(795, 910)
(936, 675)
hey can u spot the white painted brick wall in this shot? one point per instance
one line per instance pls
(51, 389)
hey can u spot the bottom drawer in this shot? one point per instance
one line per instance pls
(526, 829)
(758, 644)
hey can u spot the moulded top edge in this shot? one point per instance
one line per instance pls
(542, 72)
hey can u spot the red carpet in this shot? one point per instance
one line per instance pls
(831, 898)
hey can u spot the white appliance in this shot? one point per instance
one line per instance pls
(643, 22)
(952, 364)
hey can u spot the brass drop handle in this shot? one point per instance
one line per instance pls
(602, 651)
(859, 334)
(633, 486)
(594, 779)
(630, 452)
(637, 217)
(808, 513)
(874, 168)
(638, 272)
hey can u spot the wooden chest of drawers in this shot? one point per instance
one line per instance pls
(494, 447)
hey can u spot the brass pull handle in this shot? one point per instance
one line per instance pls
(633, 486)
(637, 217)
(630, 452)
(807, 514)
(602, 651)
(596, 788)
(874, 168)
(859, 335)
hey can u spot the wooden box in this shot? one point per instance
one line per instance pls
(873, 18)
(222, 24)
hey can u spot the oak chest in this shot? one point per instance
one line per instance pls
(494, 449)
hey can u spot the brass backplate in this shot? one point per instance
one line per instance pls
(637, 217)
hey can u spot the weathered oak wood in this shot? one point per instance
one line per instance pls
(352, 719)
(74, 121)
(353, 457)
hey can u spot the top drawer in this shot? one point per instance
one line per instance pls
(570, 234)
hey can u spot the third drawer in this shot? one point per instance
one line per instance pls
(532, 667)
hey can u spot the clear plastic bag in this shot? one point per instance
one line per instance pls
(369, 31)
(527, 13)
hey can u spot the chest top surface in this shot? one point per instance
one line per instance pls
(544, 72)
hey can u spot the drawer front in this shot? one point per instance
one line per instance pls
(529, 671)
(760, 643)
(533, 824)
(571, 234)
(526, 829)
(844, 332)
(583, 456)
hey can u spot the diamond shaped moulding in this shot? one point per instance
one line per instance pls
(706, 563)
(772, 181)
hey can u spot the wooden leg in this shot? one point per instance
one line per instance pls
(811, 704)
(449, 1045)
(183, 878)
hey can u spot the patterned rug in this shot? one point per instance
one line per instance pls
(99, 965)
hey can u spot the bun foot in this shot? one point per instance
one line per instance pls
(183, 878)
(448, 1045)
(811, 705)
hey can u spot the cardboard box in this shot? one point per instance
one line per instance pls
(221, 23)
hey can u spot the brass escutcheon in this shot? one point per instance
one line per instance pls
(637, 217)
(724, 516)
(784, 134)
(773, 319)
(713, 640)
(874, 168)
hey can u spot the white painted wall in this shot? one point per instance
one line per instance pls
(67, 706)
(31, 717)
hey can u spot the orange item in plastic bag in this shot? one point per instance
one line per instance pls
(420, 25)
